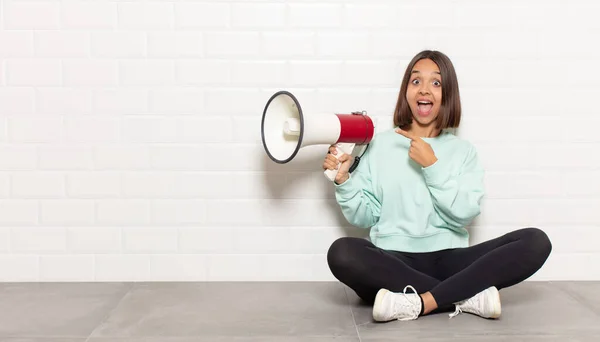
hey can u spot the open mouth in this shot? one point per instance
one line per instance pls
(424, 107)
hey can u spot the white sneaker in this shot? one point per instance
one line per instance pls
(485, 304)
(401, 306)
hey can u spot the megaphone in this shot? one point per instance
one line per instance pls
(285, 129)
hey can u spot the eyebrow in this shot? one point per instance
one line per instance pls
(418, 72)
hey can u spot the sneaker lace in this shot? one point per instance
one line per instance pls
(471, 304)
(410, 306)
(456, 312)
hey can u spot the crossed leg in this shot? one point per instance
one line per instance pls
(500, 262)
(366, 268)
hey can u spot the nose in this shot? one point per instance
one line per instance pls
(424, 89)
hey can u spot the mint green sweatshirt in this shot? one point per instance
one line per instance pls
(410, 208)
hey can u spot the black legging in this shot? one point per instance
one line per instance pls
(451, 275)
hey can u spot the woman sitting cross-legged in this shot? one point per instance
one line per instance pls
(417, 187)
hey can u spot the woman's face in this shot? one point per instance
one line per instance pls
(424, 91)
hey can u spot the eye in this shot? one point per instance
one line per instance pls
(437, 83)
(415, 81)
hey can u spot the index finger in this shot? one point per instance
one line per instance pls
(406, 134)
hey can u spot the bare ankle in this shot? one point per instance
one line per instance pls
(429, 303)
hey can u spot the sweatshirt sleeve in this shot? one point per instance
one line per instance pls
(356, 197)
(456, 197)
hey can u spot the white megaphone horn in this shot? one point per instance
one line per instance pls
(285, 129)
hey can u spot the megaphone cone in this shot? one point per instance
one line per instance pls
(282, 138)
(285, 129)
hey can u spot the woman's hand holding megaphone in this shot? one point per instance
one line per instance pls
(332, 162)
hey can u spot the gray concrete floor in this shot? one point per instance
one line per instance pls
(286, 312)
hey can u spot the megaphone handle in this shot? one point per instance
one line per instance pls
(342, 148)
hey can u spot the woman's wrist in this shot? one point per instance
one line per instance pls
(341, 179)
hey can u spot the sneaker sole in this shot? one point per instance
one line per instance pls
(496, 305)
(377, 306)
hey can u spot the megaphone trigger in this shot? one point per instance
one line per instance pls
(341, 149)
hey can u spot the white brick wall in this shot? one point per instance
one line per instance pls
(130, 143)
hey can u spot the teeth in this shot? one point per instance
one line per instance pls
(424, 102)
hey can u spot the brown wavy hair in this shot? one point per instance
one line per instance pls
(450, 109)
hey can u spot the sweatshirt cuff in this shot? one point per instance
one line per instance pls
(435, 174)
(345, 187)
